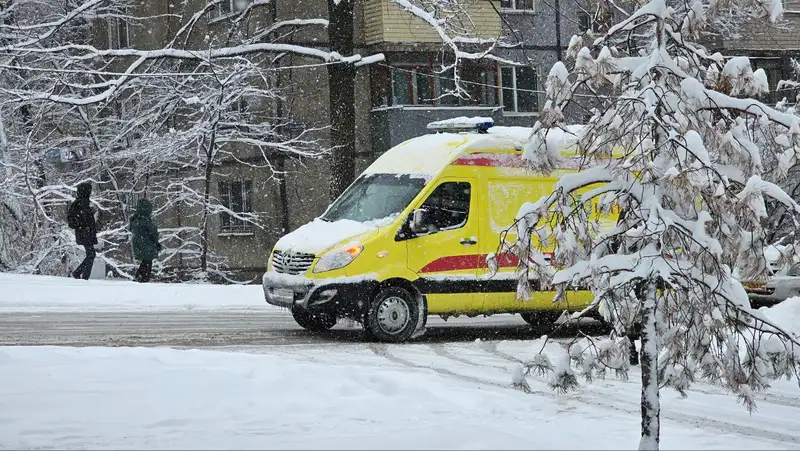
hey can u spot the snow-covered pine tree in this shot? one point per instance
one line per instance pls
(672, 143)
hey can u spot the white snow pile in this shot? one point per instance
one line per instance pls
(20, 292)
(334, 397)
(785, 315)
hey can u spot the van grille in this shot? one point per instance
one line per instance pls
(291, 262)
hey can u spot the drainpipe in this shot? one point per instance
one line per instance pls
(558, 29)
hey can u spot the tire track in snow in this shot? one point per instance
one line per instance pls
(382, 350)
(769, 398)
(597, 399)
(492, 348)
(442, 351)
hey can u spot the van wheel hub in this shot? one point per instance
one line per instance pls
(393, 314)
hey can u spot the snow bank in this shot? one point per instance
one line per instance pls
(318, 235)
(785, 315)
(39, 293)
(146, 398)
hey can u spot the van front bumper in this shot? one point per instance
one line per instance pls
(342, 296)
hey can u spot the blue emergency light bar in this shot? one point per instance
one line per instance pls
(463, 124)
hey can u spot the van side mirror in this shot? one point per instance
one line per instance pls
(418, 221)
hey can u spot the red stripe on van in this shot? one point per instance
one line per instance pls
(491, 159)
(471, 261)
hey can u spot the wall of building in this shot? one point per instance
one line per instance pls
(762, 35)
(386, 21)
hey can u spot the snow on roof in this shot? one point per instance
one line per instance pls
(425, 155)
(555, 136)
(429, 154)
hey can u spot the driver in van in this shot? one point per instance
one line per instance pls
(448, 206)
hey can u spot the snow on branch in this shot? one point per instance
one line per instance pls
(664, 217)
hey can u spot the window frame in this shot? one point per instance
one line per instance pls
(216, 14)
(412, 72)
(469, 207)
(773, 68)
(115, 27)
(513, 7)
(791, 7)
(438, 84)
(229, 225)
(590, 22)
(515, 89)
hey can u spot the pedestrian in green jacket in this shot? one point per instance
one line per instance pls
(145, 239)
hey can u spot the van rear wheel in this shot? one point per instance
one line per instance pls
(392, 315)
(542, 318)
(315, 322)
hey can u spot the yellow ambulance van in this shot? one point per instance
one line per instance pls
(410, 237)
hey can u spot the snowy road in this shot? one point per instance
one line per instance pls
(220, 328)
(276, 386)
(42, 310)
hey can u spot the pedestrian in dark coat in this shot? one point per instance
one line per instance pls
(145, 239)
(80, 217)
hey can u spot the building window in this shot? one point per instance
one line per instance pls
(774, 70)
(791, 6)
(517, 5)
(236, 196)
(489, 91)
(422, 86)
(227, 7)
(118, 33)
(585, 22)
(519, 89)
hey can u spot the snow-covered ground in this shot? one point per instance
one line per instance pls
(454, 396)
(329, 395)
(38, 293)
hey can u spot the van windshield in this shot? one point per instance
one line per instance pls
(375, 196)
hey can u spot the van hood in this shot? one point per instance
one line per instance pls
(319, 236)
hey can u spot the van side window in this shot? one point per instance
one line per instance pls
(448, 206)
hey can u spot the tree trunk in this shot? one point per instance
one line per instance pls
(341, 85)
(651, 404)
(209, 173)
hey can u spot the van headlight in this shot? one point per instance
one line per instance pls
(339, 258)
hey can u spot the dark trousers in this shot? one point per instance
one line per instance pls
(145, 271)
(84, 270)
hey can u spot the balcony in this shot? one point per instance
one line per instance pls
(393, 125)
(386, 22)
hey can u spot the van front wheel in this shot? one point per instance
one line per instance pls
(543, 318)
(392, 315)
(315, 322)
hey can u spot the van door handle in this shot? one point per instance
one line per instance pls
(469, 241)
